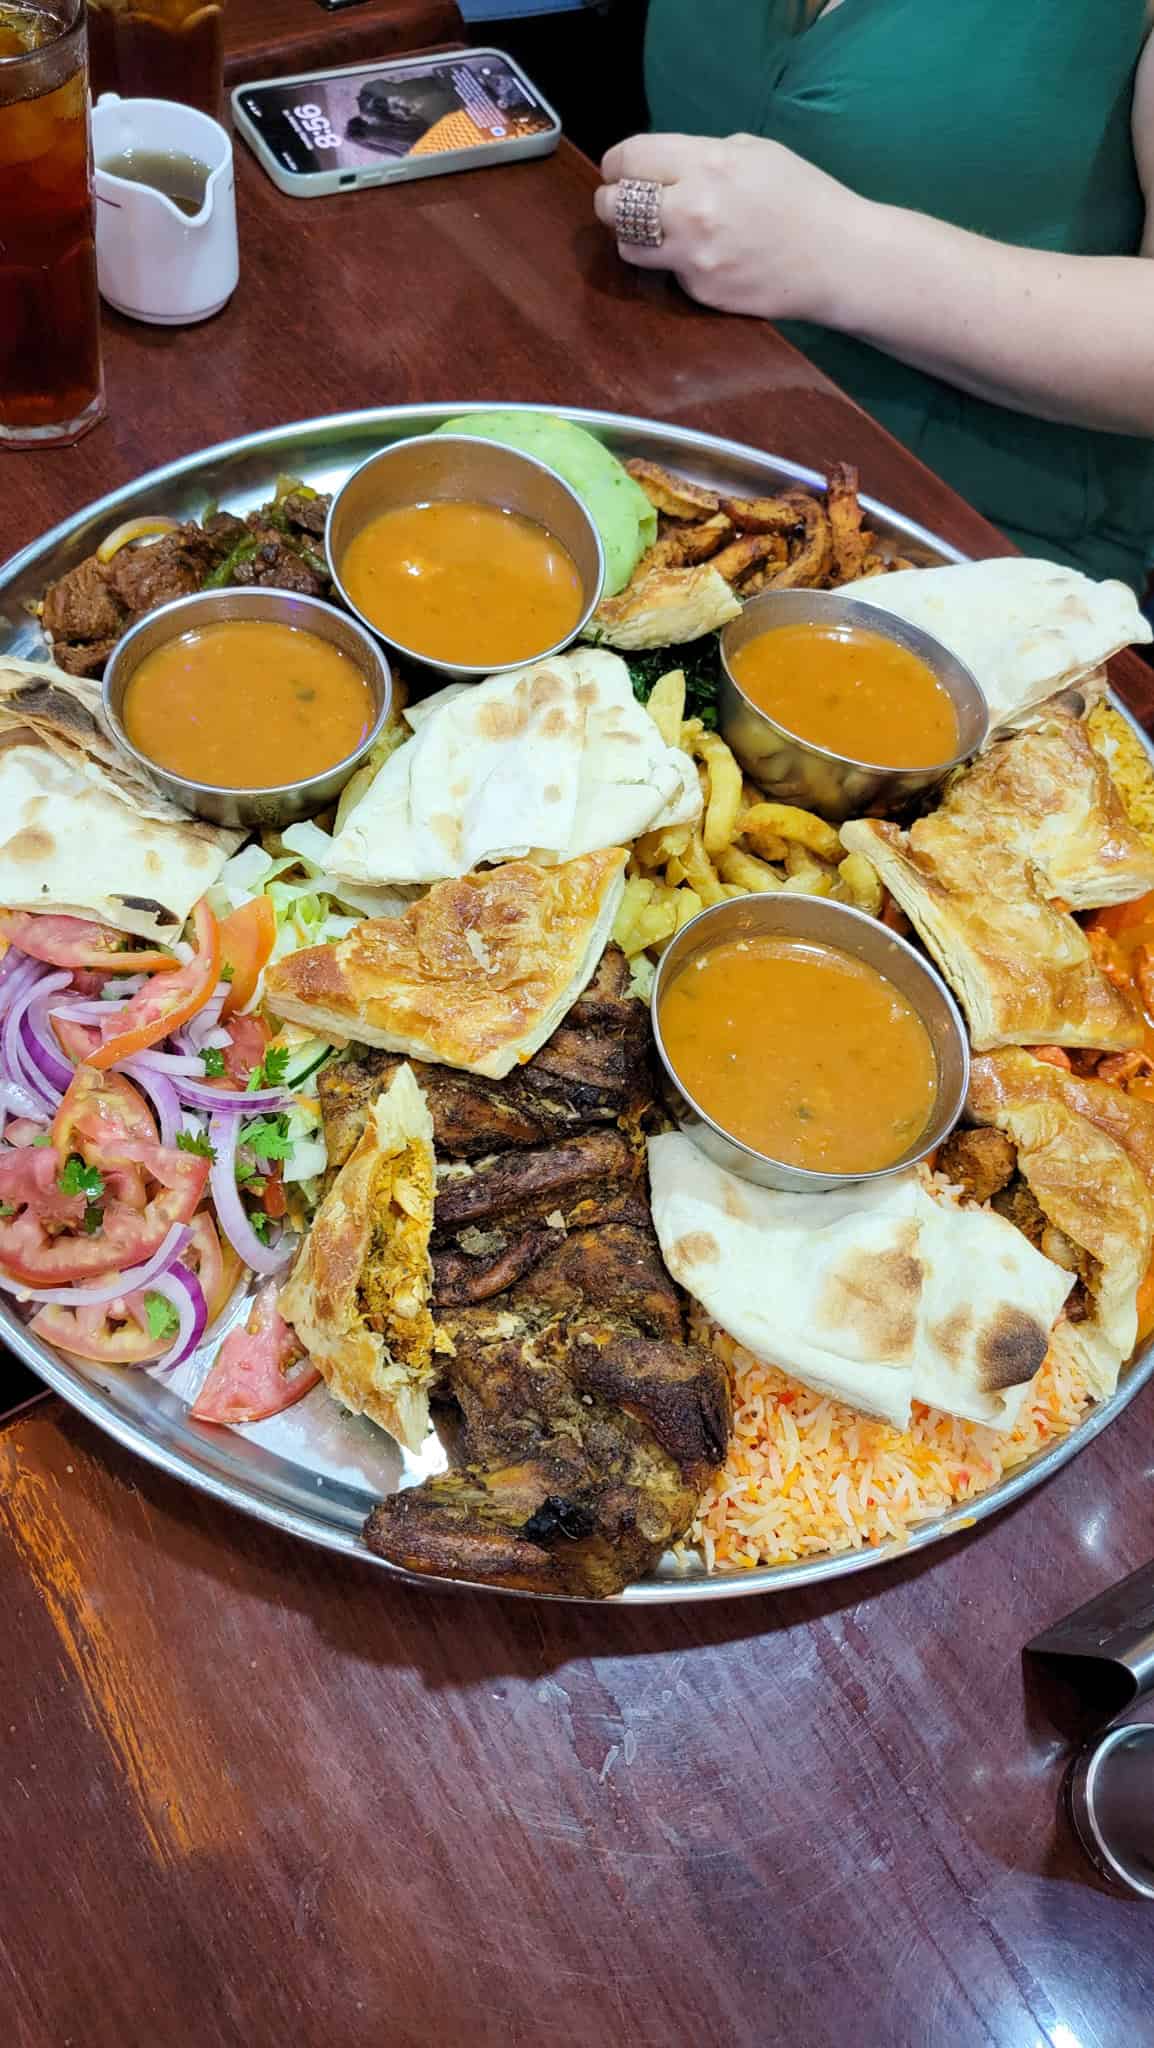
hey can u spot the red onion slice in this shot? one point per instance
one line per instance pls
(184, 1291)
(161, 1094)
(17, 1100)
(41, 1046)
(16, 1064)
(116, 1285)
(10, 966)
(171, 1063)
(89, 1013)
(223, 1132)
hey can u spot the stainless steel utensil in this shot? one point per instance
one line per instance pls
(283, 804)
(796, 771)
(1106, 1647)
(1110, 1799)
(435, 467)
(815, 918)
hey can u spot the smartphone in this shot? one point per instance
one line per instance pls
(328, 131)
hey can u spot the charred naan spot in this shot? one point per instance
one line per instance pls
(153, 863)
(552, 792)
(1010, 1350)
(158, 911)
(545, 688)
(950, 1335)
(698, 1248)
(556, 723)
(732, 1203)
(503, 721)
(448, 831)
(877, 1294)
(585, 696)
(31, 844)
(459, 791)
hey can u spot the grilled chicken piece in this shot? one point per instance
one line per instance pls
(980, 1162)
(586, 1445)
(594, 1069)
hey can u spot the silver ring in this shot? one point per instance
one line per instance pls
(638, 213)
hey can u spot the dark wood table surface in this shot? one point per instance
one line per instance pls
(270, 38)
(252, 1794)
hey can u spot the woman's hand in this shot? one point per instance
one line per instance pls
(749, 227)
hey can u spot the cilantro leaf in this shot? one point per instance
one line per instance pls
(195, 1141)
(163, 1321)
(76, 1178)
(45, 1138)
(227, 970)
(259, 1223)
(267, 1138)
(213, 1059)
(7, 1208)
(93, 1218)
(271, 1071)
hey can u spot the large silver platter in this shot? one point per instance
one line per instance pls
(315, 1472)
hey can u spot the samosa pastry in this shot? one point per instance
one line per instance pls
(1022, 969)
(477, 974)
(1046, 795)
(1085, 1151)
(358, 1297)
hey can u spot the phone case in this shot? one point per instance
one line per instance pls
(317, 184)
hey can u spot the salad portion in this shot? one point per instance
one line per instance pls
(160, 1140)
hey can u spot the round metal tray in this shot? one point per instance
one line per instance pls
(315, 1472)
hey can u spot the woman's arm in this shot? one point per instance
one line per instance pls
(752, 228)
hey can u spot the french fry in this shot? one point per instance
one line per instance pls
(691, 731)
(786, 821)
(686, 903)
(724, 801)
(750, 874)
(653, 849)
(666, 706)
(861, 883)
(700, 872)
(807, 877)
(769, 846)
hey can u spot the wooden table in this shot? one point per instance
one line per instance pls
(271, 38)
(252, 1795)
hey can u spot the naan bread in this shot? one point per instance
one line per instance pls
(560, 752)
(663, 607)
(1086, 1150)
(477, 974)
(875, 1294)
(358, 1296)
(70, 842)
(1025, 629)
(1021, 968)
(1046, 794)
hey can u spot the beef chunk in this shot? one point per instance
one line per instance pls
(981, 1163)
(159, 571)
(83, 606)
(277, 566)
(83, 657)
(309, 514)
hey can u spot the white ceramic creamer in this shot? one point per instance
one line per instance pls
(153, 261)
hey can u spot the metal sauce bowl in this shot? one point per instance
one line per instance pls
(436, 467)
(816, 920)
(797, 772)
(281, 805)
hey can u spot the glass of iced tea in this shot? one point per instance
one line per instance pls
(50, 381)
(158, 49)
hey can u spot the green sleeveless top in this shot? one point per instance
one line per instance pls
(1007, 117)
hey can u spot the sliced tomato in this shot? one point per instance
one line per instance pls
(273, 1199)
(98, 1113)
(30, 1177)
(77, 942)
(252, 1376)
(247, 938)
(216, 1265)
(114, 1334)
(169, 1000)
(248, 1037)
(34, 1249)
(77, 1040)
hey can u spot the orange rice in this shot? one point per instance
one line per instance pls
(807, 1475)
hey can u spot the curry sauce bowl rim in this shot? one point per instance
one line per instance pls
(940, 659)
(467, 671)
(247, 603)
(737, 1154)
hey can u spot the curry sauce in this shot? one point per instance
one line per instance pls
(802, 1052)
(854, 692)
